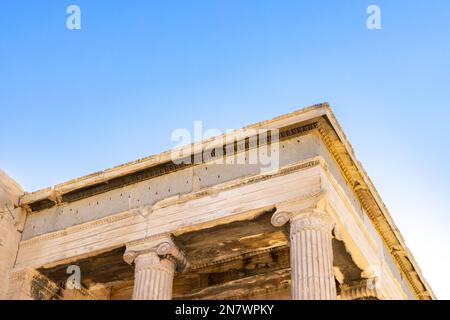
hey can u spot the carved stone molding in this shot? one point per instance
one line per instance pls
(180, 199)
(29, 284)
(364, 289)
(372, 204)
(241, 256)
(162, 245)
(55, 196)
(307, 212)
(77, 294)
(251, 287)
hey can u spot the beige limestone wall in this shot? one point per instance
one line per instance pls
(11, 224)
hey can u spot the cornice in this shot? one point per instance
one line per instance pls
(57, 196)
(293, 124)
(337, 144)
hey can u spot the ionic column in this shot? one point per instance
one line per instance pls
(155, 259)
(311, 253)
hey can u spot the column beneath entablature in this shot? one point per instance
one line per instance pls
(311, 253)
(155, 259)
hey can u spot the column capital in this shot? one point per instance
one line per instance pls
(362, 289)
(162, 245)
(309, 211)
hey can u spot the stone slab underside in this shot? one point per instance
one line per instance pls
(248, 259)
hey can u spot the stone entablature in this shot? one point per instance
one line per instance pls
(320, 191)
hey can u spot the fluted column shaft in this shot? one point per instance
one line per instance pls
(155, 259)
(311, 253)
(312, 257)
(153, 277)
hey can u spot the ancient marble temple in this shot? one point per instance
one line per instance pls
(313, 228)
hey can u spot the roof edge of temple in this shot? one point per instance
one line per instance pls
(301, 115)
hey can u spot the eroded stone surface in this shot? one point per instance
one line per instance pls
(235, 232)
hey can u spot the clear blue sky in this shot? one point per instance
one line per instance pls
(75, 102)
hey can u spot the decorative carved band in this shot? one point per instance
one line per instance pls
(167, 202)
(241, 256)
(29, 284)
(372, 205)
(155, 171)
(359, 290)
